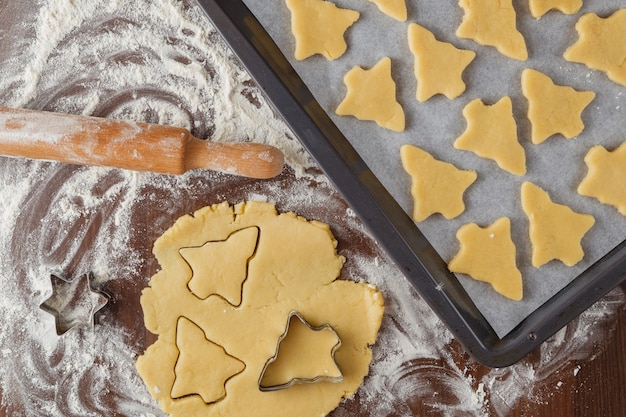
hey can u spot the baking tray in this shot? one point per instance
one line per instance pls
(387, 221)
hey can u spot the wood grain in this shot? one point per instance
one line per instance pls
(574, 383)
(136, 146)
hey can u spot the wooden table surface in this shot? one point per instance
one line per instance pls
(581, 371)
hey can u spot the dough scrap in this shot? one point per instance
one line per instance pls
(493, 23)
(553, 108)
(318, 27)
(437, 186)
(295, 268)
(555, 230)
(438, 65)
(488, 254)
(371, 96)
(601, 44)
(304, 354)
(395, 9)
(606, 176)
(196, 370)
(492, 133)
(540, 7)
(221, 268)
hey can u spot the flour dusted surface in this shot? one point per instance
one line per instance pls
(159, 61)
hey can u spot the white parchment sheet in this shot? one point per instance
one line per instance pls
(555, 165)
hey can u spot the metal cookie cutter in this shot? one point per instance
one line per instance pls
(74, 302)
(293, 381)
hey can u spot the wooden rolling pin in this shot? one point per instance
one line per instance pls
(137, 146)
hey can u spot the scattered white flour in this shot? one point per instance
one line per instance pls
(160, 61)
(144, 61)
(577, 370)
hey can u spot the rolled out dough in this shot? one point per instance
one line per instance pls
(294, 268)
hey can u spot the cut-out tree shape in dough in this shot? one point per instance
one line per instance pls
(488, 254)
(492, 133)
(493, 23)
(318, 27)
(555, 230)
(438, 65)
(540, 7)
(371, 96)
(392, 8)
(203, 367)
(601, 44)
(437, 186)
(304, 355)
(606, 178)
(553, 109)
(220, 268)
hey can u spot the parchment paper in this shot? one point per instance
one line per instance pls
(556, 165)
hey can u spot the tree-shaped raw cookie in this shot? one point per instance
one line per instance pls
(540, 7)
(318, 27)
(555, 230)
(493, 23)
(221, 267)
(488, 254)
(304, 354)
(601, 44)
(553, 108)
(606, 177)
(438, 65)
(203, 367)
(371, 95)
(437, 186)
(492, 133)
(392, 8)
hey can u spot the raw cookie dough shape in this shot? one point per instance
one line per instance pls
(204, 367)
(493, 23)
(492, 133)
(601, 44)
(371, 96)
(606, 176)
(305, 355)
(318, 27)
(553, 108)
(555, 230)
(488, 254)
(437, 186)
(438, 65)
(540, 7)
(393, 8)
(221, 267)
(295, 267)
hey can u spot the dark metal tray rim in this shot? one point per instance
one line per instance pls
(386, 220)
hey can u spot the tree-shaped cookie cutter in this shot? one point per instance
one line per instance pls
(294, 381)
(74, 302)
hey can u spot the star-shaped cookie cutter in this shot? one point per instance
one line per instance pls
(294, 381)
(74, 302)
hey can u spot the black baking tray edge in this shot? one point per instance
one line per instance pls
(386, 220)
